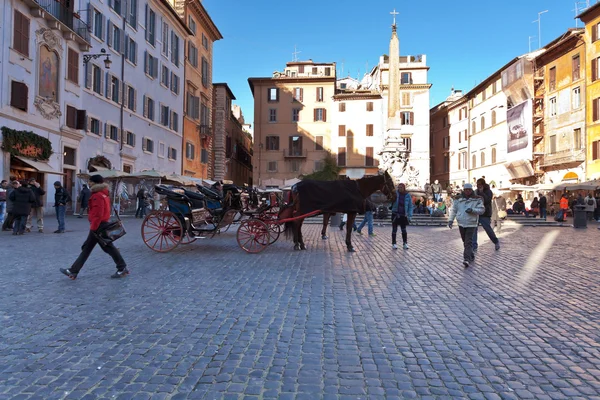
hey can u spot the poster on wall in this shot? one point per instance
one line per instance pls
(519, 135)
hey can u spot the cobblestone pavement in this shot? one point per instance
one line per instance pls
(209, 321)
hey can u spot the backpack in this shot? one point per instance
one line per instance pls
(590, 202)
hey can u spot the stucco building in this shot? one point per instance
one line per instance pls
(458, 117)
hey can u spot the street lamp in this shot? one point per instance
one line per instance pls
(88, 57)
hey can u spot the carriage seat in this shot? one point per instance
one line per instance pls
(209, 192)
(198, 200)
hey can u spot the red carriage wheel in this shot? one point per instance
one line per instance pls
(253, 235)
(162, 231)
(274, 232)
(187, 239)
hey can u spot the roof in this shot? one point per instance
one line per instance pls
(589, 13)
(558, 43)
(226, 86)
(309, 62)
(490, 78)
(176, 16)
(206, 20)
(285, 80)
(357, 95)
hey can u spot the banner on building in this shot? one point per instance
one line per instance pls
(520, 132)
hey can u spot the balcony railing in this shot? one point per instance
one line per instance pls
(295, 153)
(570, 156)
(64, 16)
(204, 130)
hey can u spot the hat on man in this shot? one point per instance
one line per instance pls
(96, 179)
(467, 186)
(57, 183)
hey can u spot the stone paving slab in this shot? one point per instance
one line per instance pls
(208, 321)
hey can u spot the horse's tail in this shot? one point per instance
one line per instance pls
(289, 230)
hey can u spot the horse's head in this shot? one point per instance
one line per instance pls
(388, 186)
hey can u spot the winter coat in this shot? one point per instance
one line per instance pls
(38, 192)
(486, 194)
(460, 207)
(564, 203)
(501, 203)
(408, 205)
(99, 206)
(543, 202)
(23, 198)
(84, 197)
(61, 197)
(590, 207)
(9, 202)
(436, 188)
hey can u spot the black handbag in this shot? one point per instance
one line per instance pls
(110, 231)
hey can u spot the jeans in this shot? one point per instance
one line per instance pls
(8, 222)
(60, 216)
(19, 223)
(437, 197)
(39, 214)
(368, 219)
(2, 211)
(86, 250)
(403, 222)
(467, 235)
(141, 208)
(486, 223)
(543, 213)
(81, 211)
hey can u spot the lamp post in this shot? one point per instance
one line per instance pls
(88, 57)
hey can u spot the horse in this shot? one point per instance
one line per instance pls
(364, 188)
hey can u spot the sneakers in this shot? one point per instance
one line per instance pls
(466, 264)
(120, 274)
(359, 232)
(372, 234)
(40, 230)
(497, 246)
(405, 246)
(27, 230)
(68, 273)
(59, 231)
(394, 246)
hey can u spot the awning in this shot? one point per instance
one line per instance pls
(39, 166)
(99, 168)
(519, 169)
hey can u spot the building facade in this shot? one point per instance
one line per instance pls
(135, 108)
(292, 128)
(42, 113)
(458, 117)
(232, 143)
(198, 135)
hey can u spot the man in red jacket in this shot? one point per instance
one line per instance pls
(98, 215)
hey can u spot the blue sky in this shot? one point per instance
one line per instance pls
(465, 41)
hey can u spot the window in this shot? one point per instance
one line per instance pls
(174, 123)
(73, 66)
(576, 97)
(272, 166)
(319, 94)
(445, 121)
(484, 95)
(407, 142)
(95, 126)
(298, 94)
(596, 150)
(164, 76)
(474, 161)
(75, 118)
(319, 143)
(204, 156)
(128, 169)
(552, 79)
(193, 106)
(406, 99)
(149, 108)
(595, 29)
(576, 67)
(272, 115)
(112, 132)
(319, 165)
(133, 11)
(174, 49)
(596, 109)
(150, 65)
(493, 117)
(150, 26)
(174, 83)
(192, 24)
(131, 51)
(165, 39)
(342, 130)
(272, 143)
(273, 94)
(165, 113)
(553, 106)
(466, 134)
(295, 115)
(130, 139)
(204, 41)
(296, 148)
(369, 129)
(495, 87)
(115, 5)
(114, 38)
(192, 54)
(172, 153)
(369, 106)
(205, 72)
(21, 33)
(552, 144)
(405, 78)
(464, 159)
(190, 151)
(482, 122)
(131, 100)
(115, 87)
(341, 159)
(446, 142)
(161, 150)
(314, 70)
(369, 161)
(343, 85)
(320, 114)
(473, 128)
(407, 118)
(97, 79)
(482, 158)
(493, 155)
(98, 25)
(342, 107)
(577, 138)
(327, 71)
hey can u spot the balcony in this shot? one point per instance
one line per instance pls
(570, 156)
(204, 130)
(54, 12)
(295, 153)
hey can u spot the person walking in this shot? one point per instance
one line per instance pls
(37, 207)
(543, 205)
(3, 195)
(98, 215)
(402, 212)
(564, 207)
(466, 209)
(9, 220)
(23, 198)
(84, 198)
(368, 219)
(485, 219)
(590, 206)
(61, 198)
(141, 206)
(344, 220)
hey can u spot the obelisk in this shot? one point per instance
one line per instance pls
(394, 83)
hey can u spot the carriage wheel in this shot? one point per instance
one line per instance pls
(161, 231)
(274, 232)
(253, 235)
(187, 239)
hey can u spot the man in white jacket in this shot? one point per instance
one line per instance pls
(466, 209)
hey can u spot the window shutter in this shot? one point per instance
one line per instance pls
(90, 16)
(412, 118)
(119, 135)
(109, 33)
(301, 93)
(317, 95)
(101, 80)
(144, 144)
(106, 130)
(81, 119)
(315, 114)
(18, 95)
(342, 130)
(145, 106)
(88, 75)
(147, 12)
(324, 115)
(89, 124)
(594, 69)
(594, 33)
(133, 141)
(291, 145)
(595, 109)
(108, 86)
